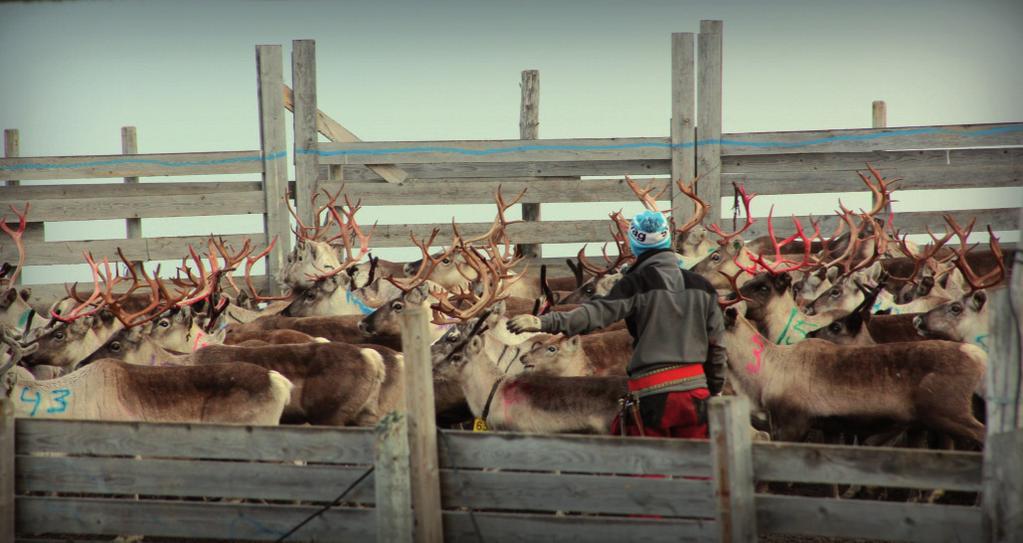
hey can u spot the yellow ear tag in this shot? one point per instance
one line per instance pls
(479, 425)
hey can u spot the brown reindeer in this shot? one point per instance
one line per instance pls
(602, 353)
(931, 382)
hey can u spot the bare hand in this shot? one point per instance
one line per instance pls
(524, 323)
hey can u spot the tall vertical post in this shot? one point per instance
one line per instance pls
(307, 162)
(1003, 463)
(12, 149)
(683, 116)
(732, 455)
(130, 146)
(879, 119)
(7, 519)
(529, 129)
(708, 116)
(393, 485)
(422, 427)
(270, 79)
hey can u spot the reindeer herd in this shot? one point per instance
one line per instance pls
(857, 329)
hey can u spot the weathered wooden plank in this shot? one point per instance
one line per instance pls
(878, 114)
(473, 527)
(456, 170)
(573, 454)
(397, 235)
(872, 139)
(913, 178)
(70, 252)
(7, 468)
(422, 421)
(1003, 487)
(143, 165)
(190, 519)
(139, 207)
(709, 113)
(130, 146)
(393, 482)
(303, 76)
(12, 149)
(879, 159)
(735, 512)
(552, 150)
(620, 495)
(276, 222)
(683, 120)
(529, 129)
(284, 443)
(112, 190)
(184, 478)
(880, 466)
(867, 519)
(334, 131)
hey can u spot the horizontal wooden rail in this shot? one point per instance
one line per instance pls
(460, 170)
(142, 206)
(881, 466)
(803, 161)
(867, 519)
(214, 441)
(145, 249)
(24, 193)
(142, 165)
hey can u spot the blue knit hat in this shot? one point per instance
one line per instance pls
(648, 230)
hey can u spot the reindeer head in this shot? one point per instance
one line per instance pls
(557, 356)
(959, 320)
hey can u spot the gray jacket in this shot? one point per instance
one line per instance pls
(672, 314)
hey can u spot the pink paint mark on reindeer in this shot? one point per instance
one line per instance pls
(754, 368)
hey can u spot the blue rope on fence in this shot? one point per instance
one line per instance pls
(889, 134)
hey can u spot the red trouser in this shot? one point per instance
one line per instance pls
(672, 414)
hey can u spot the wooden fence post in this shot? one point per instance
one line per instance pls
(307, 164)
(7, 518)
(879, 119)
(732, 454)
(1003, 462)
(276, 223)
(529, 129)
(683, 113)
(393, 485)
(12, 149)
(422, 425)
(130, 146)
(708, 123)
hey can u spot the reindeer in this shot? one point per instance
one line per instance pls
(112, 390)
(602, 353)
(931, 382)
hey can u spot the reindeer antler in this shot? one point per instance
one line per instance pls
(700, 207)
(500, 221)
(251, 261)
(17, 237)
(649, 202)
(732, 279)
(780, 264)
(882, 194)
(976, 282)
(80, 310)
(746, 199)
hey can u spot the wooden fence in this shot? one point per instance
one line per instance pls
(467, 172)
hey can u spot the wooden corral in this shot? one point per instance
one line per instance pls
(60, 478)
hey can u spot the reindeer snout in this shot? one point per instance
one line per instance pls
(918, 323)
(809, 310)
(364, 327)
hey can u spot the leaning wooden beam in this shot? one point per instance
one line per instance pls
(303, 75)
(335, 132)
(275, 170)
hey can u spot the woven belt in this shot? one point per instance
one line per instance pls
(666, 377)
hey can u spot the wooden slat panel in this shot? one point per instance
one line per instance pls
(858, 161)
(869, 139)
(913, 178)
(867, 519)
(457, 170)
(145, 207)
(268, 522)
(541, 150)
(583, 493)
(109, 190)
(190, 519)
(472, 191)
(180, 478)
(511, 528)
(144, 165)
(397, 235)
(70, 252)
(324, 445)
(803, 463)
(47, 293)
(599, 454)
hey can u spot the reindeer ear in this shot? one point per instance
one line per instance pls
(831, 273)
(475, 345)
(782, 282)
(731, 314)
(873, 273)
(8, 297)
(977, 300)
(499, 308)
(573, 343)
(26, 293)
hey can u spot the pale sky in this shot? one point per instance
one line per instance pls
(184, 74)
